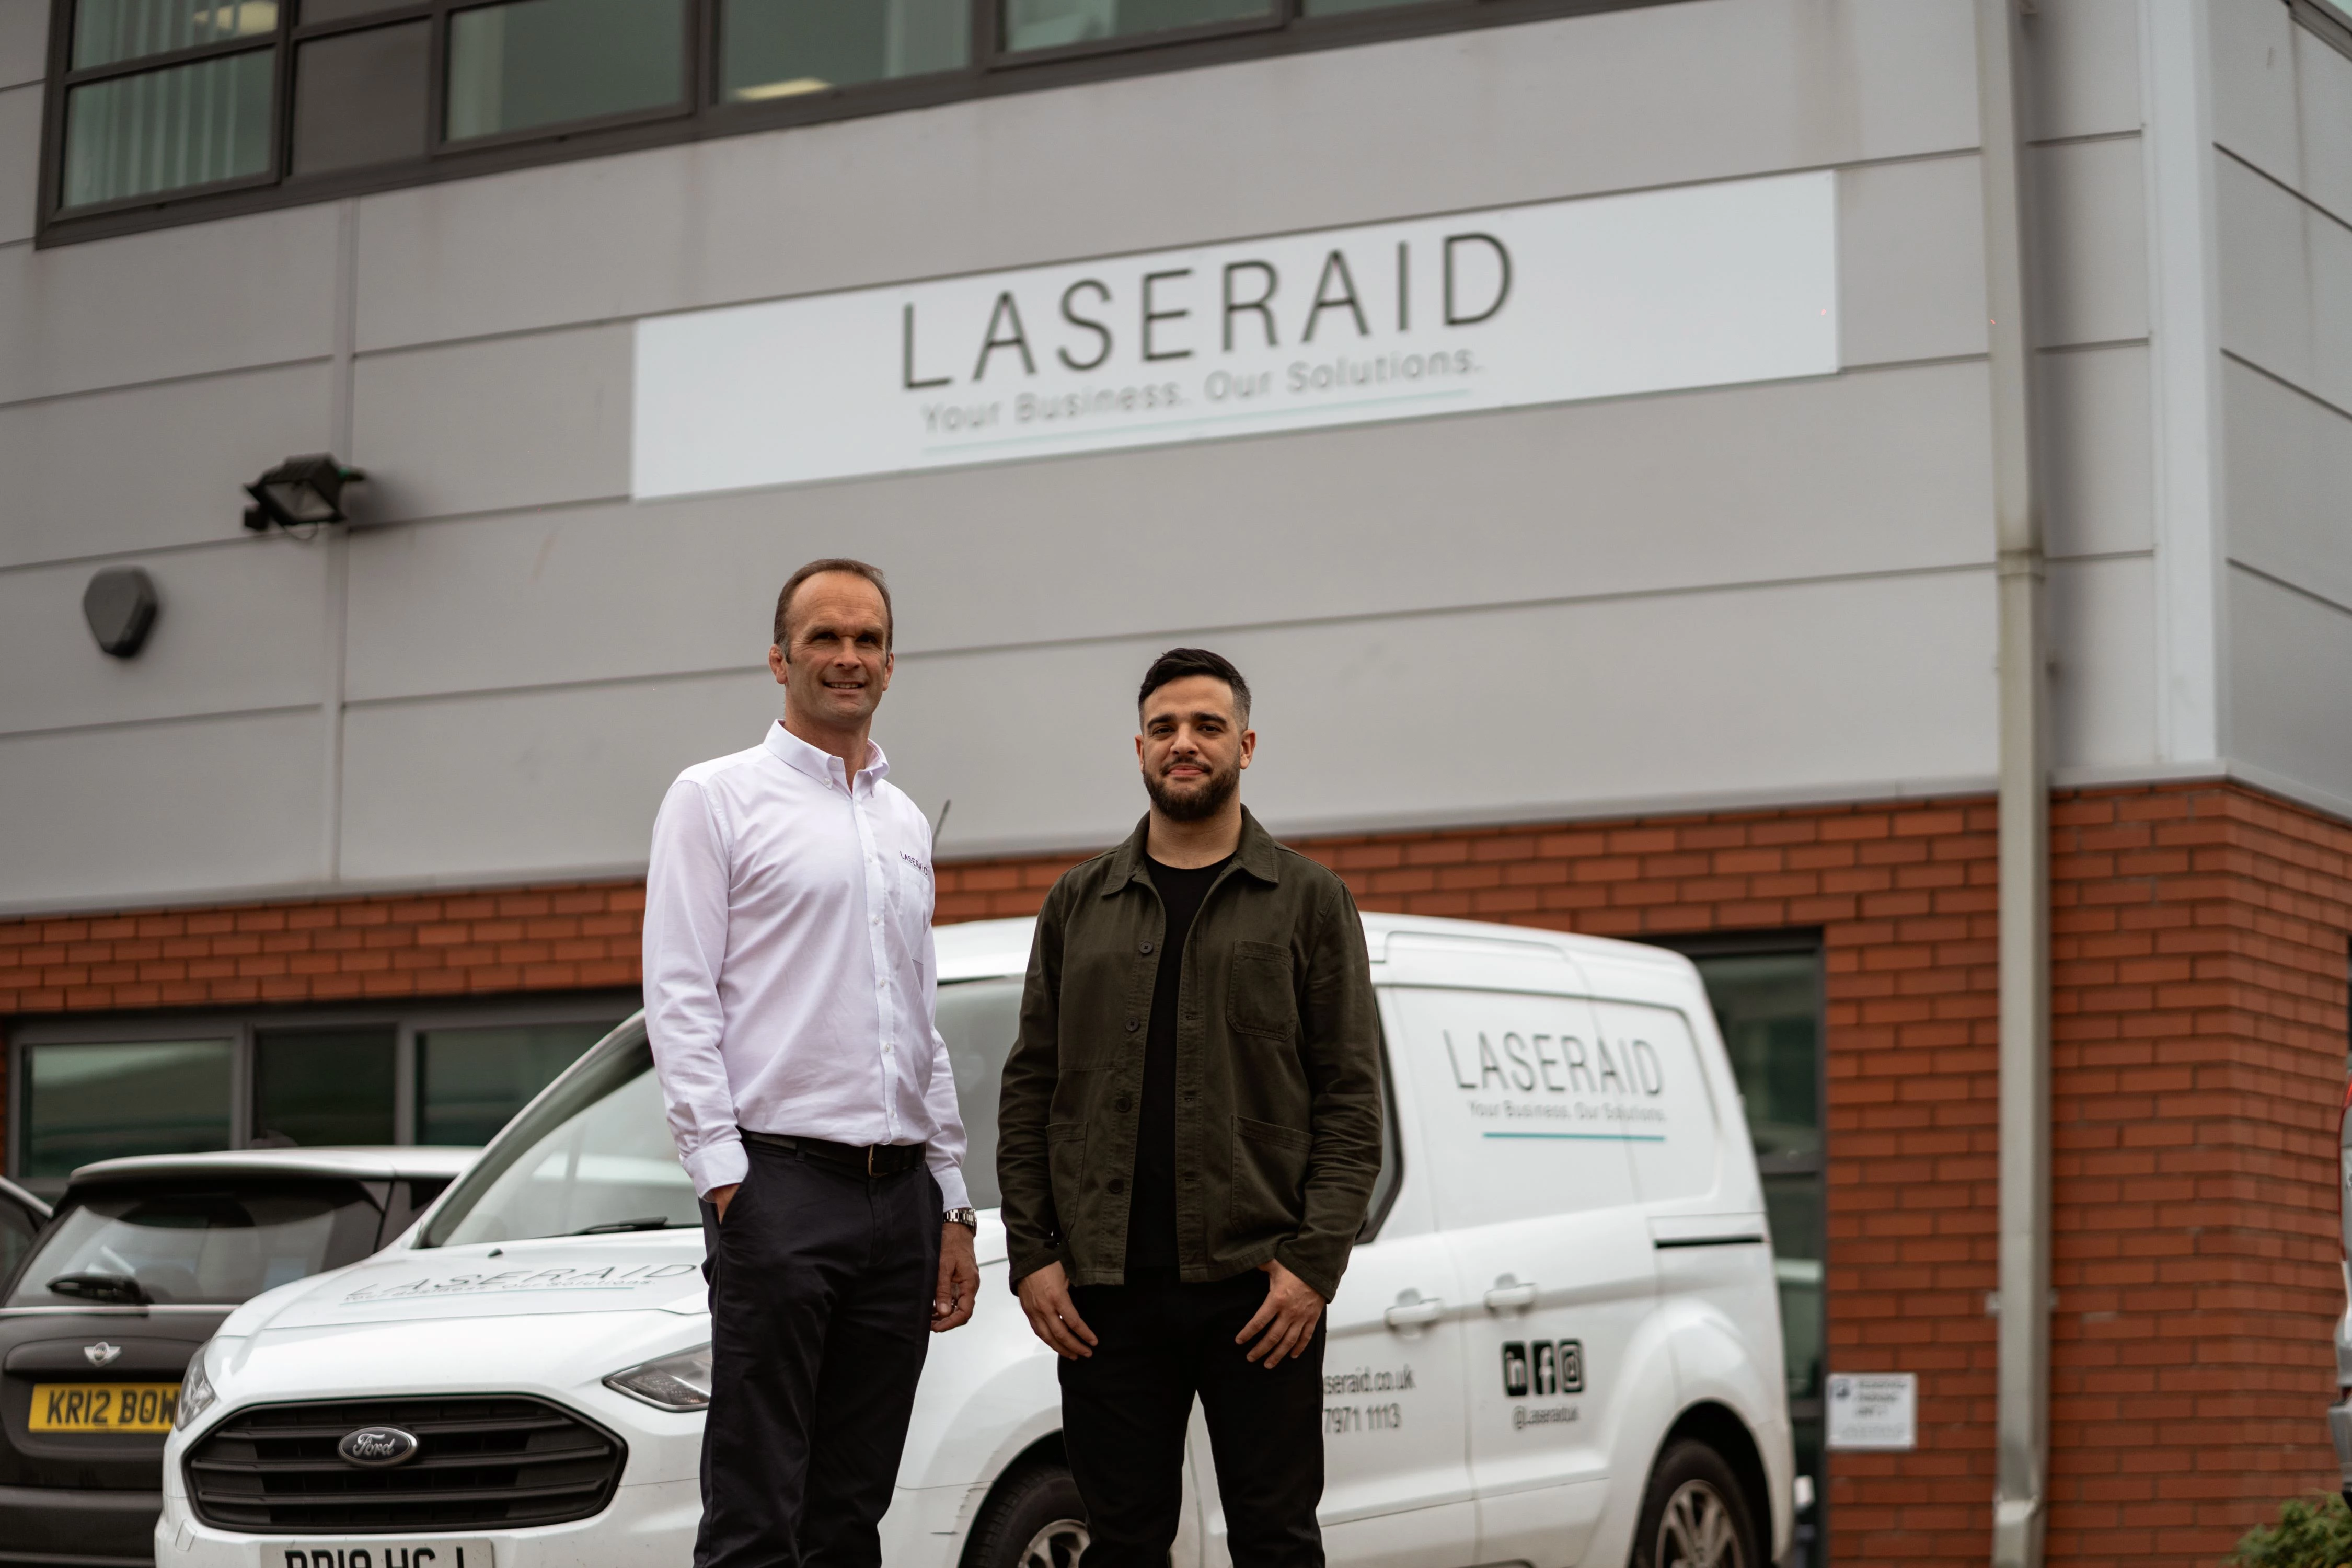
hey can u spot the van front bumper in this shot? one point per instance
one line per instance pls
(650, 1525)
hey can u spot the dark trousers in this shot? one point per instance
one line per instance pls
(821, 1289)
(1123, 1412)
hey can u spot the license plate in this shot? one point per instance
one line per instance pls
(411, 1554)
(104, 1407)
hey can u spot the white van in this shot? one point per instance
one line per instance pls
(1557, 1342)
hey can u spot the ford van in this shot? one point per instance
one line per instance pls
(1558, 1342)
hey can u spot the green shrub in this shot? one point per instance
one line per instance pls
(2311, 1532)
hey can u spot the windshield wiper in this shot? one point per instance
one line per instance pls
(115, 1289)
(613, 1227)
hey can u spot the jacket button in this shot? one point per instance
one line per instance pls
(1116, 1185)
(1132, 1025)
(1124, 1103)
(1147, 950)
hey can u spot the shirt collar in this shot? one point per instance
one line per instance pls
(823, 766)
(1258, 854)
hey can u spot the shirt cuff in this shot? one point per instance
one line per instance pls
(721, 1163)
(953, 1194)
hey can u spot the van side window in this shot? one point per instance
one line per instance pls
(1384, 1186)
(1523, 1111)
(1683, 1159)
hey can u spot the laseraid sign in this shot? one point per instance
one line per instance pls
(1701, 286)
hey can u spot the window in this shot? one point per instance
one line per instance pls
(455, 1074)
(471, 1081)
(85, 1102)
(1767, 996)
(172, 110)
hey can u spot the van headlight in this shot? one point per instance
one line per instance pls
(680, 1382)
(196, 1395)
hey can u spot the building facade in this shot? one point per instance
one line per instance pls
(1575, 418)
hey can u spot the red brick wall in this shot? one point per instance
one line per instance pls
(2200, 992)
(324, 949)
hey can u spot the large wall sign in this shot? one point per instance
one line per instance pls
(1602, 297)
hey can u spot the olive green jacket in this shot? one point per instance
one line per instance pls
(1277, 1070)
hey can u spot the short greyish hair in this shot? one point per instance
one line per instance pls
(1178, 663)
(834, 563)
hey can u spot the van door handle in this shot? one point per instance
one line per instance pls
(1413, 1313)
(1510, 1297)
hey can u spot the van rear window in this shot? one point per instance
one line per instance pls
(207, 1243)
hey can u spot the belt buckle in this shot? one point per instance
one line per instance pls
(870, 1171)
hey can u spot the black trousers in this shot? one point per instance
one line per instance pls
(1125, 1409)
(821, 1289)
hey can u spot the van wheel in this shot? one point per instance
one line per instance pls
(1034, 1521)
(1694, 1514)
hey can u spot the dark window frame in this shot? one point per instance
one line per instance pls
(991, 71)
(239, 1027)
(1790, 942)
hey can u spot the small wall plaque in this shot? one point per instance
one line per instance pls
(1874, 1410)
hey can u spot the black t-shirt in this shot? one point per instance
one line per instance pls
(1151, 1214)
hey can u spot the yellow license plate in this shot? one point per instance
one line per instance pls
(104, 1407)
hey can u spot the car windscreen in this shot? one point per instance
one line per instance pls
(979, 1019)
(203, 1242)
(591, 1157)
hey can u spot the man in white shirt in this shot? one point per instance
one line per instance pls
(790, 982)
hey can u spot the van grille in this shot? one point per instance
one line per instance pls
(503, 1461)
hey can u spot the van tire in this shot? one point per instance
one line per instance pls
(1694, 1514)
(1035, 1518)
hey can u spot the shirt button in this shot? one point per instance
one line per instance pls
(1131, 1025)
(1147, 950)
(1124, 1103)
(1116, 1186)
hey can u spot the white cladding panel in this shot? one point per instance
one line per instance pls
(20, 161)
(24, 42)
(152, 466)
(192, 809)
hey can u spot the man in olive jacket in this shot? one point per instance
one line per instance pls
(1188, 1138)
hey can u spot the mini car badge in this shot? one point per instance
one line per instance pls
(101, 1354)
(377, 1447)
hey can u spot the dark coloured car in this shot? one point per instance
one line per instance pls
(105, 1304)
(21, 1216)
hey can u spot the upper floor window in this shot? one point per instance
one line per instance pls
(161, 110)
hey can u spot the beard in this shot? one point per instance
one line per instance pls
(1201, 801)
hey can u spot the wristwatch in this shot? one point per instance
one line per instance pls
(968, 1219)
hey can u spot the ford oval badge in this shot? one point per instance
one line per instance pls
(377, 1447)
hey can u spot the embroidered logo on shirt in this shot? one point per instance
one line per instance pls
(923, 866)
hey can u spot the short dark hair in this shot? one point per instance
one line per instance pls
(833, 564)
(1178, 663)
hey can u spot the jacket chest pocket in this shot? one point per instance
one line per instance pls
(1258, 997)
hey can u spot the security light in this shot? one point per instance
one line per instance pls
(119, 605)
(298, 492)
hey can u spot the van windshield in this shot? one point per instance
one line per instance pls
(192, 1243)
(595, 1156)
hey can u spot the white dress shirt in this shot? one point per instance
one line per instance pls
(789, 964)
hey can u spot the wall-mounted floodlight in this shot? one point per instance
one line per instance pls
(119, 605)
(298, 492)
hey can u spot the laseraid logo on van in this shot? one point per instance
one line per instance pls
(514, 1279)
(1562, 1087)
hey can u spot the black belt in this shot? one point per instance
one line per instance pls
(865, 1158)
